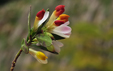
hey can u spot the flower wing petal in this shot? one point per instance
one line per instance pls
(62, 30)
(46, 15)
(57, 45)
(66, 23)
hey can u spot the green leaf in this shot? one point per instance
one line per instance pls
(49, 34)
(29, 25)
(24, 47)
(43, 48)
(44, 40)
(50, 48)
(22, 42)
(32, 34)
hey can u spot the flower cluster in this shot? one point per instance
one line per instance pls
(45, 32)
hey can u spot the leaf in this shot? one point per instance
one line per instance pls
(43, 48)
(29, 25)
(44, 40)
(22, 42)
(49, 34)
(31, 34)
(24, 47)
(51, 48)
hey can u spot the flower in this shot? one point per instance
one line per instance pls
(58, 11)
(62, 30)
(41, 57)
(45, 33)
(41, 16)
(57, 24)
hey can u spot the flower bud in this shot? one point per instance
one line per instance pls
(40, 14)
(38, 17)
(41, 57)
(59, 10)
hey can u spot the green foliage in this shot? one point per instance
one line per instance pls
(24, 46)
(44, 40)
(49, 49)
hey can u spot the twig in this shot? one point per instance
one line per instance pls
(15, 59)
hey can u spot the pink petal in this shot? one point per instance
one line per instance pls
(62, 30)
(66, 23)
(68, 33)
(57, 45)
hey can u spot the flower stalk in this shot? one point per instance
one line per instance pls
(15, 59)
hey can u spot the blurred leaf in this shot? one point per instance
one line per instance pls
(50, 48)
(44, 40)
(43, 48)
(24, 47)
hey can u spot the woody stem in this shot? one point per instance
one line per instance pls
(15, 59)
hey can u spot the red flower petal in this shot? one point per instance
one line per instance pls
(59, 10)
(58, 22)
(40, 14)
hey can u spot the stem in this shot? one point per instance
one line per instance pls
(29, 25)
(15, 59)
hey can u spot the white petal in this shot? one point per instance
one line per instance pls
(62, 35)
(66, 23)
(46, 15)
(57, 45)
(62, 30)
(42, 61)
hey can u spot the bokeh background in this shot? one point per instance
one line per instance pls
(90, 47)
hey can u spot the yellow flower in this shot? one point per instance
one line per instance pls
(41, 57)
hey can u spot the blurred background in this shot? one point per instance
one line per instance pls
(90, 47)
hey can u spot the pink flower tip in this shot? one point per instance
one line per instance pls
(59, 10)
(40, 14)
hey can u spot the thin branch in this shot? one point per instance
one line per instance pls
(29, 21)
(15, 59)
